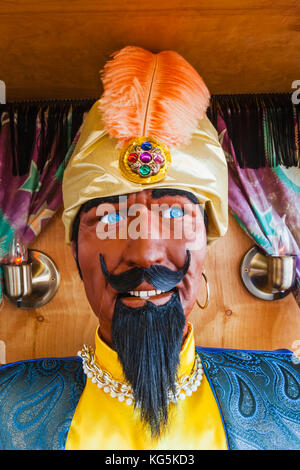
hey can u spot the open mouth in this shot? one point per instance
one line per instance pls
(146, 294)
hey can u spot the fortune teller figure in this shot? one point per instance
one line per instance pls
(145, 194)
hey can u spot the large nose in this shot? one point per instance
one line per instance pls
(147, 247)
(144, 253)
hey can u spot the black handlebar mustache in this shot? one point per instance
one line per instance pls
(158, 276)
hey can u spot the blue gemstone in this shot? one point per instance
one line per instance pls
(146, 146)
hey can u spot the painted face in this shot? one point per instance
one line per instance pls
(152, 227)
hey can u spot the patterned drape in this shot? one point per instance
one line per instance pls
(36, 141)
(263, 169)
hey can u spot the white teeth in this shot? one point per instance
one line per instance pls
(145, 293)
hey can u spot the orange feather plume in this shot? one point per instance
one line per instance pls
(154, 95)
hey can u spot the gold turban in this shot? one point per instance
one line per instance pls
(198, 166)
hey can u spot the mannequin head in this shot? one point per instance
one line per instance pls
(140, 258)
(141, 229)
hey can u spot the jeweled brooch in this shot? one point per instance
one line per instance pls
(145, 160)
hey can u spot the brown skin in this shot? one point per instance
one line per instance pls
(123, 254)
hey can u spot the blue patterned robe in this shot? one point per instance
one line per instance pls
(258, 394)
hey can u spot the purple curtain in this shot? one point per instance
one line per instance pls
(264, 197)
(36, 141)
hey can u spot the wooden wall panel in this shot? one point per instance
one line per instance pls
(54, 49)
(233, 319)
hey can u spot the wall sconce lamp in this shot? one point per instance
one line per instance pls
(268, 277)
(31, 278)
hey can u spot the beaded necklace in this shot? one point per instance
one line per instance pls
(123, 392)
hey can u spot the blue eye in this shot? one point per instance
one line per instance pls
(111, 218)
(173, 213)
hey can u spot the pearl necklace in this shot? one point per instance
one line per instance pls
(123, 392)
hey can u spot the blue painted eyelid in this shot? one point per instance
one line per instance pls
(112, 218)
(173, 213)
(176, 212)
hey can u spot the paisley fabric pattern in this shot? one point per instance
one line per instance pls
(38, 399)
(258, 395)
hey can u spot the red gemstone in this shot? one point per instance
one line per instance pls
(132, 157)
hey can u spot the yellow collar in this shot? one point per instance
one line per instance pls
(107, 358)
(102, 422)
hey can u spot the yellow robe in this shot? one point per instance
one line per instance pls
(101, 422)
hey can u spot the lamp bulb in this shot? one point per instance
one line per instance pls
(17, 252)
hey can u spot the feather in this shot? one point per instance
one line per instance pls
(154, 95)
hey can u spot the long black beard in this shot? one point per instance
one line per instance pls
(148, 342)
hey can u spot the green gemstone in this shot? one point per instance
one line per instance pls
(144, 170)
